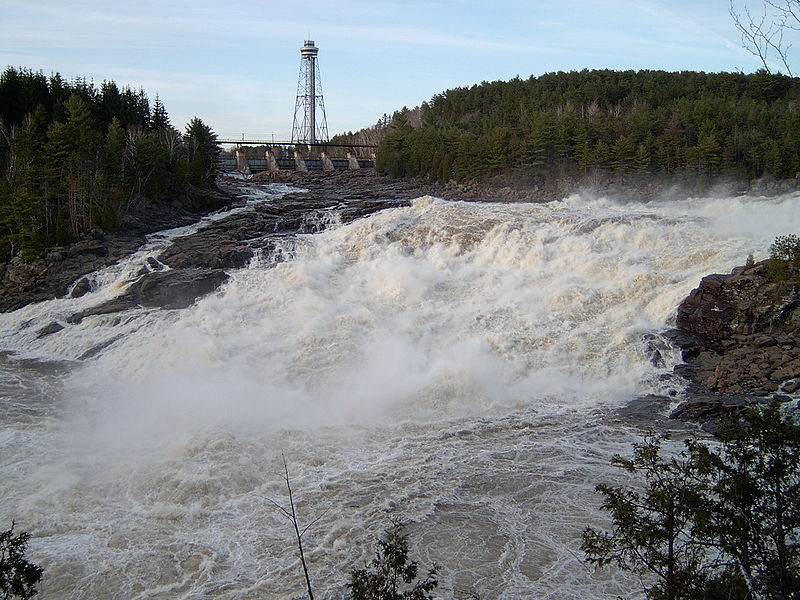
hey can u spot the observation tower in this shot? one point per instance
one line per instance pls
(310, 125)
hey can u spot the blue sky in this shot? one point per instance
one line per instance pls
(235, 64)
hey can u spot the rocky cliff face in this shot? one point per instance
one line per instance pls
(740, 339)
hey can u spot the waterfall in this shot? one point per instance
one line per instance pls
(455, 365)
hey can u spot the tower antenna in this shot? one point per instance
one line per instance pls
(310, 124)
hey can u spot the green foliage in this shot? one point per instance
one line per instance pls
(390, 575)
(655, 529)
(73, 157)
(754, 499)
(784, 256)
(18, 576)
(624, 122)
(203, 152)
(718, 521)
(787, 248)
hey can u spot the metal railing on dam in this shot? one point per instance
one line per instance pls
(256, 165)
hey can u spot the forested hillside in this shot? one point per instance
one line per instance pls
(611, 124)
(74, 157)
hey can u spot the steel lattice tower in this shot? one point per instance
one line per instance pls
(308, 128)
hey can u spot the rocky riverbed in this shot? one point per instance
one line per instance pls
(51, 276)
(737, 332)
(229, 243)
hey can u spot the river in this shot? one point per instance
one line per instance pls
(455, 365)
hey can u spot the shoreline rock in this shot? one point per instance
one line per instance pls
(23, 283)
(739, 336)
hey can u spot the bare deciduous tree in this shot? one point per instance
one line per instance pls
(766, 31)
(291, 514)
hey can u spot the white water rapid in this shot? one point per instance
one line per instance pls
(454, 365)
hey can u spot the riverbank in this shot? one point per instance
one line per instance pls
(24, 282)
(51, 276)
(222, 246)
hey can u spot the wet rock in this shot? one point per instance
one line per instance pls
(154, 265)
(738, 344)
(791, 387)
(90, 246)
(24, 274)
(655, 348)
(177, 288)
(641, 410)
(703, 408)
(734, 333)
(112, 306)
(23, 283)
(226, 243)
(50, 329)
(207, 250)
(81, 288)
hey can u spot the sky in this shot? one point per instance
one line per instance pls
(235, 63)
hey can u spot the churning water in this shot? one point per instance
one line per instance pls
(455, 365)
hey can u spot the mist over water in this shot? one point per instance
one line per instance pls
(457, 365)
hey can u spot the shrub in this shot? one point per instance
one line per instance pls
(786, 248)
(784, 253)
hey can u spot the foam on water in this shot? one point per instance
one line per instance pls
(453, 364)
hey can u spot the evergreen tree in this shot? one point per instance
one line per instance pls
(715, 521)
(159, 120)
(655, 529)
(18, 576)
(73, 156)
(390, 575)
(203, 152)
(564, 122)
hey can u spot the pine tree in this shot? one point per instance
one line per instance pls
(654, 530)
(203, 152)
(159, 119)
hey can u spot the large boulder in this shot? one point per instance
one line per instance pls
(745, 302)
(177, 288)
(739, 339)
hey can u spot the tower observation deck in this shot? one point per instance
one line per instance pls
(310, 125)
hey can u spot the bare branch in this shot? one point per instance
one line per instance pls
(291, 514)
(763, 35)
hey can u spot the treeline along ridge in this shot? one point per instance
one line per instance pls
(74, 157)
(602, 123)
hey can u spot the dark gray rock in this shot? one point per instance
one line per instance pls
(208, 249)
(81, 288)
(24, 283)
(112, 306)
(739, 344)
(177, 288)
(90, 246)
(50, 329)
